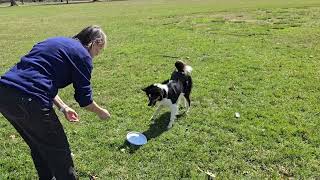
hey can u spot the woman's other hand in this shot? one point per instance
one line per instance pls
(70, 114)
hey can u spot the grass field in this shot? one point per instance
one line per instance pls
(258, 58)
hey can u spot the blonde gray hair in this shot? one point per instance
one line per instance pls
(91, 34)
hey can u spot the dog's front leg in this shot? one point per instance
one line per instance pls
(174, 111)
(155, 114)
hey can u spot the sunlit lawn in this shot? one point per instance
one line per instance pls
(260, 59)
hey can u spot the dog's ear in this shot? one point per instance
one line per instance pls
(146, 89)
(180, 65)
(165, 82)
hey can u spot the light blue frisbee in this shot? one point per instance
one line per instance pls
(136, 138)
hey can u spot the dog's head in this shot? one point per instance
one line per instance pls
(154, 94)
(180, 65)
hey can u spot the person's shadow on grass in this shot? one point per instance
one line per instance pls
(156, 128)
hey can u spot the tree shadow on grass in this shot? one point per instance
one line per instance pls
(7, 5)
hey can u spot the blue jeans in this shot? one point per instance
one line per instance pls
(41, 129)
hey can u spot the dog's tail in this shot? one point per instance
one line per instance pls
(183, 67)
(188, 69)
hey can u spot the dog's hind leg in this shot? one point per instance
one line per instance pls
(187, 102)
(174, 111)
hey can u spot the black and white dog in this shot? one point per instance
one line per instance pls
(170, 92)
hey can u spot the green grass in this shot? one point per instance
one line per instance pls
(258, 58)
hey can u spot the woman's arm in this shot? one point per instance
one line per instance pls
(72, 116)
(68, 112)
(59, 103)
(94, 107)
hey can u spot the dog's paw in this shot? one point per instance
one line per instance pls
(169, 126)
(187, 110)
(152, 120)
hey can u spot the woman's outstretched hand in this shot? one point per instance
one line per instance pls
(104, 114)
(101, 112)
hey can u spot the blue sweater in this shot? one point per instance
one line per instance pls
(50, 65)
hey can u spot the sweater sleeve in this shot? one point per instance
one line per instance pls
(81, 75)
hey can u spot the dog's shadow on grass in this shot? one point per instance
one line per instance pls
(156, 128)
